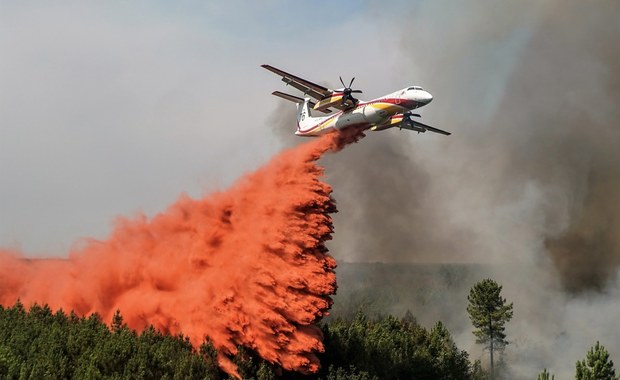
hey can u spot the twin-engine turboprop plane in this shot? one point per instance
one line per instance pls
(389, 111)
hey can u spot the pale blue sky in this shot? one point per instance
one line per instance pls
(113, 108)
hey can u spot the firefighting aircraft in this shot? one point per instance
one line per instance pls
(389, 111)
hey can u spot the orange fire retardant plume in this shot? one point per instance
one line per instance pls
(245, 267)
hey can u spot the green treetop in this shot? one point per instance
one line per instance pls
(597, 365)
(544, 375)
(489, 312)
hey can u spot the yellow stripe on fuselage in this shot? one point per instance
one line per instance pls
(390, 108)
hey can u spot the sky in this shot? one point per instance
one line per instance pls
(113, 108)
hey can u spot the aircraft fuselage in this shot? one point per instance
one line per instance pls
(374, 114)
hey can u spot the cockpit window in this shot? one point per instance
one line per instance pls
(415, 88)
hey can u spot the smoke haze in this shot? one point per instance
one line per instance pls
(529, 181)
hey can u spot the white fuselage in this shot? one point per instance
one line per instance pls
(364, 115)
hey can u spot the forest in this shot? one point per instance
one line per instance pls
(39, 343)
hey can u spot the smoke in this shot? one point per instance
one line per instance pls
(247, 266)
(532, 170)
(567, 88)
(564, 138)
(384, 194)
(528, 182)
(543, 165)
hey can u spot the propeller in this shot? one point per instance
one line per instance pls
(347, 91)
(409, 115)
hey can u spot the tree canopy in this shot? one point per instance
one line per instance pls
(489, 312)
(41, 344)
(596, 366)
(391, 348)
(544, 375)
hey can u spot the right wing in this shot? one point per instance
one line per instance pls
(316, 91)
(313, 90)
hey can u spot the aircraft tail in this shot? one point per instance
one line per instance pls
(303, 115)
(304, 119)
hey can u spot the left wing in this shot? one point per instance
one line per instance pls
(405, 121)
(413, 125)
(318, 92)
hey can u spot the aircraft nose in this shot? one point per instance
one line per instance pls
(426, 97)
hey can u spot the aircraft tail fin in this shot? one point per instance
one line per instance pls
(303, 115)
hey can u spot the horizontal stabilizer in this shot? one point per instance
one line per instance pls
(296, 99)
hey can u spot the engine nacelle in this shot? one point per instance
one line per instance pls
(392, 122)
(381, 127)
(324, 104)
(399, 121)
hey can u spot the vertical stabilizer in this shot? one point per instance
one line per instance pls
(303, 115)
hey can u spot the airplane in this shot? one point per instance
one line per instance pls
(389, 111)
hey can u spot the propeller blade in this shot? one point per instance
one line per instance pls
(347, 91)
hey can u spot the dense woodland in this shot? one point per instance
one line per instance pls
(41, 344)
(38, 343)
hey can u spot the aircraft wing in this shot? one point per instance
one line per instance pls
(314, 90)
(403, 121)
(414, 125)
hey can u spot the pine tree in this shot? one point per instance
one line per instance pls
(265, 372)
(117, 322)
(489, 312)
(448, 360)
(597, 365)
(409, 318)
(544, 375)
